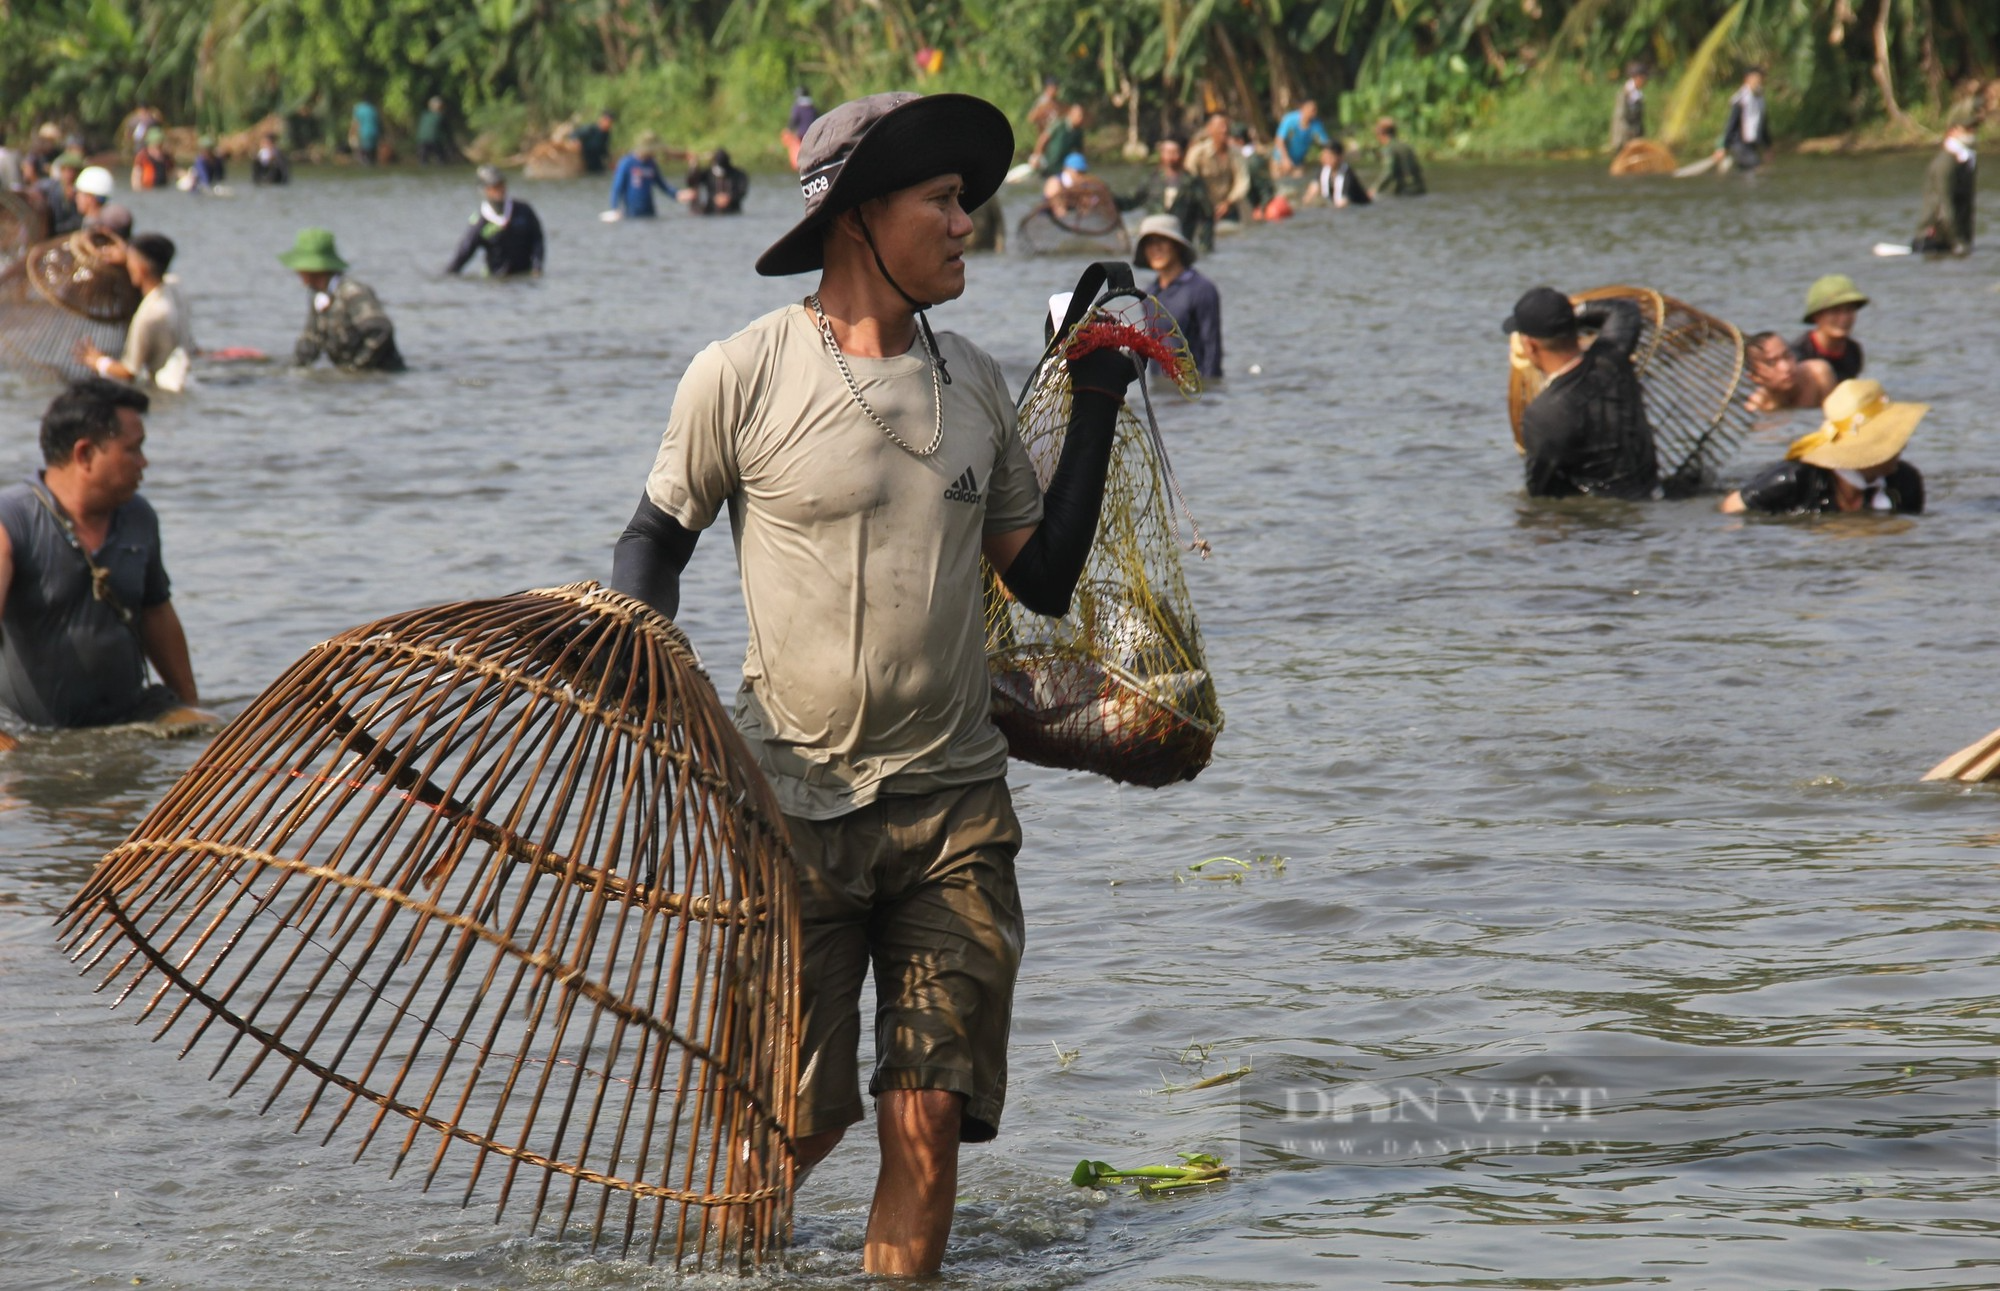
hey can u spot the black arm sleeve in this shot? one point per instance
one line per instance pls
(1044, 574)
(649, 558)
(1618, 323)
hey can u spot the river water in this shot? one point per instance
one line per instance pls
(1577, 796)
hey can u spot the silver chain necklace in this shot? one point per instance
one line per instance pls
(847, 375)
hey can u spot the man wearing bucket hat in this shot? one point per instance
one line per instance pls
(60, 193)
(1831, 307)
(868, 464)
(506, 229)
(347, 323)
(1586, 432)
(1853, 462)
(1189, 300)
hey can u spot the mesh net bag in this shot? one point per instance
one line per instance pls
(1691, 368)
(500, 879)
(59, 292)
(1120, 685)
(1083, 220)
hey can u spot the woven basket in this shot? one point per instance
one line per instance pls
(59, 292)
(1691, 368)
(500, 879)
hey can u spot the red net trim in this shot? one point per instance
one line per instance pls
(1153, 343)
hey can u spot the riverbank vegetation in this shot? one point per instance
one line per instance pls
(1475, 77)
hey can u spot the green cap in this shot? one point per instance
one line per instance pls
(313, 253)
(156, 135)
(206, 141)
(1832, 291)
(74, 160)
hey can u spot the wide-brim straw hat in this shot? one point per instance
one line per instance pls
(1831, 292)
(874, 146)
(1862, 429)
(1161, 226)
(313, 252)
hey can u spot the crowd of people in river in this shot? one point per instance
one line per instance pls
(882, 754)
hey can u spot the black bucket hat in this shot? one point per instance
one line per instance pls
(871, 147)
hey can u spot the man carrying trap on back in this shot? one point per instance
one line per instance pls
(867, 465)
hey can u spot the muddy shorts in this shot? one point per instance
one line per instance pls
(921, 888)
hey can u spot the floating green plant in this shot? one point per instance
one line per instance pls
(1197, 1169)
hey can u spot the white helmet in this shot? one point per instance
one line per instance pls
(96, 181)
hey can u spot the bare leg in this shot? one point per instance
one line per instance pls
(914, 1193)
(813, 1149)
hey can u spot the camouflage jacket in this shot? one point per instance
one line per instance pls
(353, 331)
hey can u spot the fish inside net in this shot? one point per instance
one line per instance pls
(1691, 370)
(1120, 685)
(61, 291)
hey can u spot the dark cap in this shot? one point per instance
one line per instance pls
(489, 176)
(1542, 313)
(881, 144)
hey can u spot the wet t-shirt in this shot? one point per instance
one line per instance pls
(865, 672)
(1587, 431)
(66, 659)
(1790, 487)
(1846, 366)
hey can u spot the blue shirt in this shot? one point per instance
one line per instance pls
(632, 186)
(1297, 139)
(1196, 306)
(367, 121)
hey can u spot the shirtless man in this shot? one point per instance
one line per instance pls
(1783, 380)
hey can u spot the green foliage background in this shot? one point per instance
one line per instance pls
(1487, 77)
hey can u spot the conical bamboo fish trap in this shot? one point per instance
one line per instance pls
(19, 223)
(1643, 157)
(501, 878)
(1691, 367)
(59, 292)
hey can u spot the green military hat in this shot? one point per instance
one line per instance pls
(313, 252)
(1831, 292)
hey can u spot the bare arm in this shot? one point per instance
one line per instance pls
(1732, 504)
(166, 646)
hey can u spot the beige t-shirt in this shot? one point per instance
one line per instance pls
(159, 327)
(865, 672)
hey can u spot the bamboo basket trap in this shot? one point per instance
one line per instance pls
(1120, 685)
(59, 292)
(1691, 368)
(1089, 224)
(500, 879)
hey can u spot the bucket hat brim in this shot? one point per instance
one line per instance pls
(312, 259)
(1168, 227)
(931, 135)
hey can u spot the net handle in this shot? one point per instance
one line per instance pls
(1100, 283)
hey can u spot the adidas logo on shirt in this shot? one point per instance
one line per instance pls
(964, 489)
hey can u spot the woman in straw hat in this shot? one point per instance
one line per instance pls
(1853, 462)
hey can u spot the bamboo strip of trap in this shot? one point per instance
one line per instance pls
(501, 873)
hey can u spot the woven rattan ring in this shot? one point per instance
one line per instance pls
(500, 877)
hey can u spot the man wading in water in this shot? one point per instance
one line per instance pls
(867, 465)
(1586, 432)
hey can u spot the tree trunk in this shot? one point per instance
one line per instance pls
(1252, 109)
(1884, 79)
